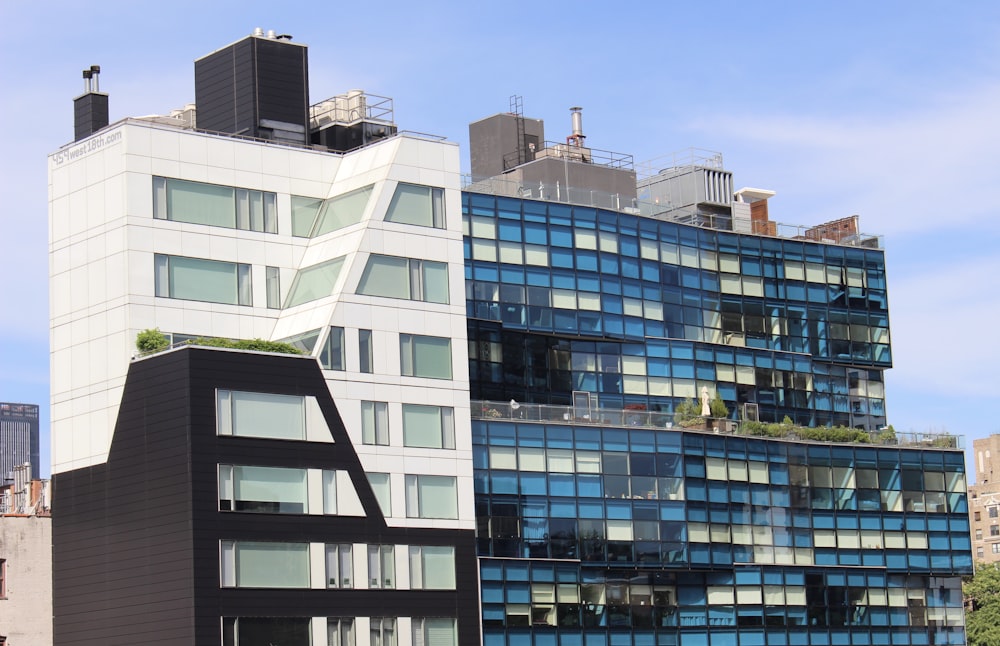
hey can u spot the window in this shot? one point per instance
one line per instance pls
(287, 631)
(329, 492)
(431, 496)
(274, 490)
(3, 578)
(339, 566)
(980, 552)
(437, 631)
(383, 631)
(366, 359)
(407, 278)
(380, 487)
(332, 355)
(220, 206)
(996, 548)
(430, 427)
(315, 282)
(312, 218)
(419, 205)
(304, 210)
(432, 568)
(267, 415)
(976, 516)
(272, 277)
(994, 530)
(374, 423)
(195, 279)
(246, 564)
(339, 631)
(992, 511)
(425, 356)
(381, 566)
(979, 534)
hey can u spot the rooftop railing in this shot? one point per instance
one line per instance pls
(558, 192)
(645, 419)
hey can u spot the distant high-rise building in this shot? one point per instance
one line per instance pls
(18, 439)
(984, 499)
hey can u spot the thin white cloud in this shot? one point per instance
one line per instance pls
(932, 165)
(944, 331)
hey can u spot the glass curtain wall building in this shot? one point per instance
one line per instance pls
(601, 521)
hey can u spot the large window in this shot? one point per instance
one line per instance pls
(425, 356)
(311, 219)
(314, 283)
(419, 205)
(431, 496)
(274, 490)
(434, 631)
(195, 279)
(220, 206)
(339, 566)
(261, 415)
(432, 567)
(247, 564)
(374, 422)
(430, 427)
(407, 278)
(261, 631)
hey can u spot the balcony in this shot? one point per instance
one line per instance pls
(644, 419)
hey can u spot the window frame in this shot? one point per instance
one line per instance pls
(416, 504)
(410, 355)
(445, 431)
(164, 285)
(244, 217)
(438, 219)
(382, 567)
(377, 433)
(413, 277)
(343, 554)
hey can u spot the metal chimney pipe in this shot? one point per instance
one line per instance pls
(95, 72)
(577, 113)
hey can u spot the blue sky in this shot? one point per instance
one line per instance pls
(889, 110)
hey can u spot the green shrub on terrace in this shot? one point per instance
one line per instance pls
(150, 341)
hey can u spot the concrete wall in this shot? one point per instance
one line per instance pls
(26, 612)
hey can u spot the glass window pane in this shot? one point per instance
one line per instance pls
(425, 356)
(422, 426)
(201, 203)
(273, 287)
(314, 282)
(342, 211)
(438, 568)
(386, 276)
(380, 487)
(272, 565)
(435, 287)
(304, 211)
(202, 280)
(270, 489)
(419, 205)
(267, 415)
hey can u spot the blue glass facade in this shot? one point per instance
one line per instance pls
(607, 534)
(642, 312)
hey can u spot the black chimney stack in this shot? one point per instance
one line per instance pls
(90, 109)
